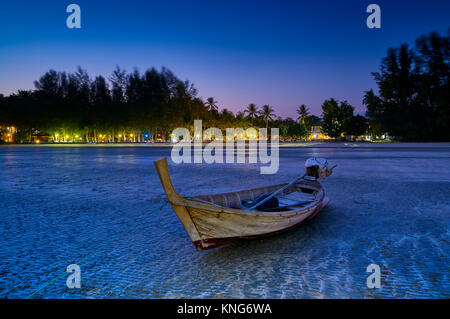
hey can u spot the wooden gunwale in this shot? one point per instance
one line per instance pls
(221, 209)
(201, 204)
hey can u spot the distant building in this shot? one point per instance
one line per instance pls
(8, 134)
(315, 129)
(41, 138)
(315, 133)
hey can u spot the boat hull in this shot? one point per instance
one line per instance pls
(222, 226)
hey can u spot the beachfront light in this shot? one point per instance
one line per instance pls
(37, 141)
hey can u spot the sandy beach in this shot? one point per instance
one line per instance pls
(390, 205)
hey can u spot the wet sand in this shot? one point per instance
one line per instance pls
(390, 205)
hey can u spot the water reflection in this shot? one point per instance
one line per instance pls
(59, 204)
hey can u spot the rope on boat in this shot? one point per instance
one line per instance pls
(93, 253)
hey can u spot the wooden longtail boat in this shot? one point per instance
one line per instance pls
(213, 220)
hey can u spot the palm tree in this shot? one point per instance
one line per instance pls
(252, 111)
(303, 113)
(241, 119)
(211, 104)
(267, 114)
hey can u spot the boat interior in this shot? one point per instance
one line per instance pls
(296, 196)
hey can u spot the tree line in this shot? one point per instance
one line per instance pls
(125, 107)
(413, 100)
(412, 104)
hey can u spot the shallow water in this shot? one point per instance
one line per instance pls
(98, 207)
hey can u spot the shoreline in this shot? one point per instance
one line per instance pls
(387, 204)
(281, 145)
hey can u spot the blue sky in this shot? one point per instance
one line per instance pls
(282, 53)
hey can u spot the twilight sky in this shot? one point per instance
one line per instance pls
(282, 53)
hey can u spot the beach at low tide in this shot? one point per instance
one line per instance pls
(99, 206)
